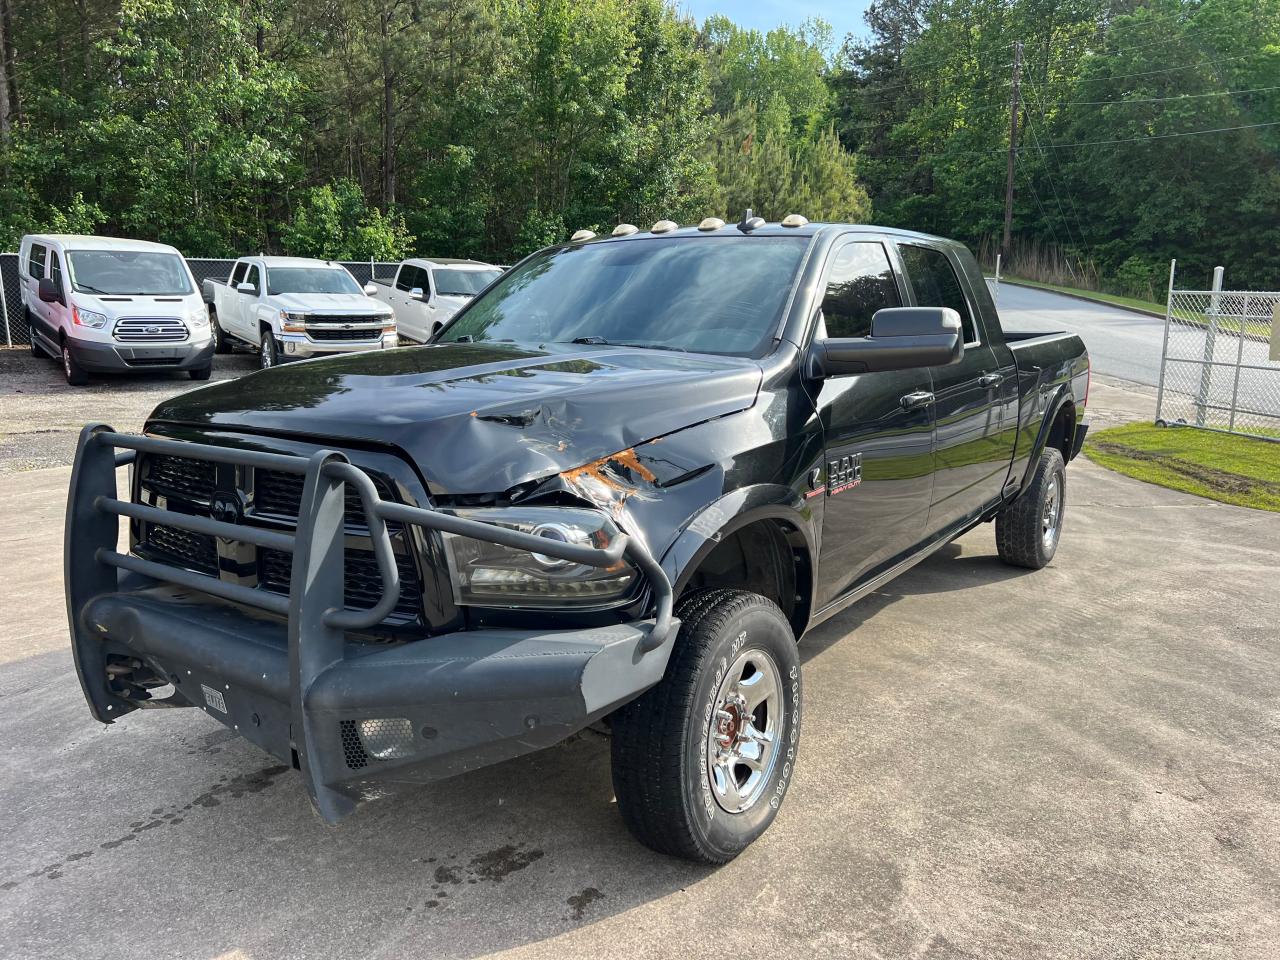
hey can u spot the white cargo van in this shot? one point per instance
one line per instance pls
(101, 304)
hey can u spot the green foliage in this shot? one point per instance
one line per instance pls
(1100, 180)
(336, 222)
(486, 128)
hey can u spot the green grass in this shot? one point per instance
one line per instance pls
(1220, 466)
(1111, 298)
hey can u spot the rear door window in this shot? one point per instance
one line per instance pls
(405, 280)
(859, 283)
(935, 284)
(237, 275)
(35, 261)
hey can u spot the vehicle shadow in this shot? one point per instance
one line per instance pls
(949, 568)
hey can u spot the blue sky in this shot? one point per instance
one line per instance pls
(844, 17)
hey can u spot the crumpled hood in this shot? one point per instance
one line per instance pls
(483, 417)
(321, 303)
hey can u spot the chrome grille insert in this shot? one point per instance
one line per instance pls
(150, 330)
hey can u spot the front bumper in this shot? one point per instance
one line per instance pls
(109, 357)
(301, 346)
(414, 713)
(352, 717)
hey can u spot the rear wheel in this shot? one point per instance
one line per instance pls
(1028, 530)
(71, 369)
(268, 351)
(702, 761)
(36, 349)
(221, 344)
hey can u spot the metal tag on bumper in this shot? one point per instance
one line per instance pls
(345, 716)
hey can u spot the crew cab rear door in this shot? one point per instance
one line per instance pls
(974, 435)
(878, 430)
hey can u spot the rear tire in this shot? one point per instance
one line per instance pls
(1028, 530)
(75, 374)
(221, 344)
(36, 349)
(702, 761)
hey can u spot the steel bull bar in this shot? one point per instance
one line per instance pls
(351, 717)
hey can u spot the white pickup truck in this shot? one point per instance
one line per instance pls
(293, 308)
(425, 293)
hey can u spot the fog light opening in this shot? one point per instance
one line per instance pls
(386, 738)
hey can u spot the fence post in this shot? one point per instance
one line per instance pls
(1164, 349)
(4, 306)
(1210, 338)
(998, 257)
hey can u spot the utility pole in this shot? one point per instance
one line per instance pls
(1013, 148)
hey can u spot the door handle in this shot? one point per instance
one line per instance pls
(991, 379)
(921, 398)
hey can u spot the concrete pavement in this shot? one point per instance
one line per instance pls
(1078, 762)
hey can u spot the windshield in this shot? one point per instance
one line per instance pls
(128, 272)
(463, 283)
(310, 280)
(708, 295)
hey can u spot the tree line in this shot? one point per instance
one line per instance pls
(488, 128)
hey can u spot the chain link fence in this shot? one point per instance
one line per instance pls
(17, 333)
(1216, 370)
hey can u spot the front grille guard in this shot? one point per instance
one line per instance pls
(316, 627)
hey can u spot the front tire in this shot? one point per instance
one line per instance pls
(76, 375)
(703, 760)
(1028, 530)
(268, 351)
(201, 373)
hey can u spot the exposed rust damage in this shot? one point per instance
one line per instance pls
(611, 481)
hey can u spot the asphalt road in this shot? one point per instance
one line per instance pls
(1080, 762)
(1121, 343)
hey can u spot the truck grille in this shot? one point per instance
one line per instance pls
(182, 548)
(363, 581)
(279, 495)
(188, 485)
(150, 330)
(181, 477)
(332, 334)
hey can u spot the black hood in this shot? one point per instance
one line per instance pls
(480, 418)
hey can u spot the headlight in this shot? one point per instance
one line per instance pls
(197, 319)
(293, 322)
(489, 575)
(88, 318)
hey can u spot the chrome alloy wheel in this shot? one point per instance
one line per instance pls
(267, 356)
(1051, 514)
(742, 743)
(66, 360)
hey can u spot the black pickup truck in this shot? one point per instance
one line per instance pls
(616, 489)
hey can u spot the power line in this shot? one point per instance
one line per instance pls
(1181, 96)
(1151, 73)
(1165, 136)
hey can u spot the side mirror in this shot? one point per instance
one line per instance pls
(370, 289)
(902, 338)
(417, 294)
(49, 291)
(245, 287)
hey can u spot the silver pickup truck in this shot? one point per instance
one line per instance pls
(426, 293)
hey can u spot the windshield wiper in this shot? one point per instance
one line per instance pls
(90, 288)
(602, 342)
